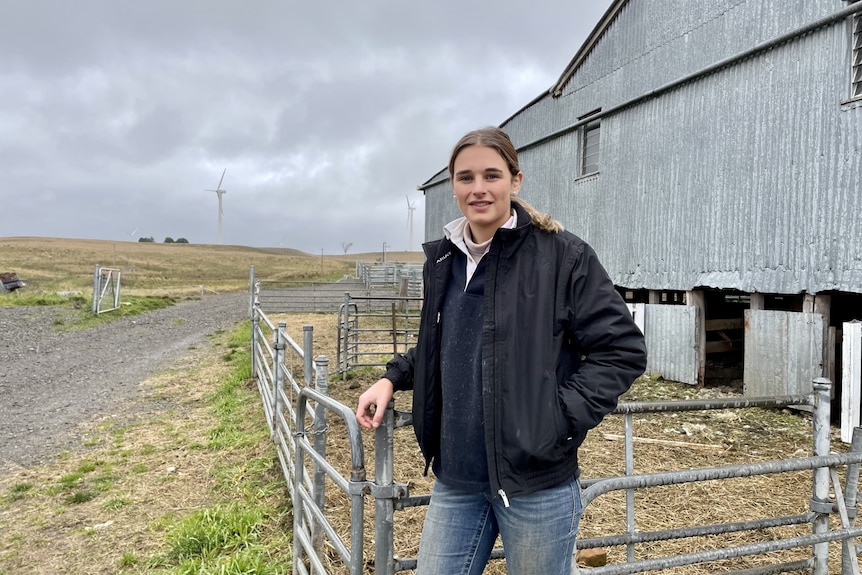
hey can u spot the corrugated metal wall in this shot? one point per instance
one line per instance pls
(749, 178)
(783, 351)
(652, 43)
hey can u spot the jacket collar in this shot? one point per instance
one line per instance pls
(507, 241)
(439, 250)
(456, 231)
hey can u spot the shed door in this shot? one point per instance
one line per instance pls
(851, 379)
(671, 337)
(783, 352)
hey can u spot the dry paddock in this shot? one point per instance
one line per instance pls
(664, 442)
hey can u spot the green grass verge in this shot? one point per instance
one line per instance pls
(248, 531)
(234, 519)
(75, 311)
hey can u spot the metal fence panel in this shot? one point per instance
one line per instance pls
(281, 369)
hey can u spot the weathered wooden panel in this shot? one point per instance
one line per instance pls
(783, 351)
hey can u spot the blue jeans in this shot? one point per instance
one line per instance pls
(538, 531)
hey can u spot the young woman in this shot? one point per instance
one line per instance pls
(524, 345)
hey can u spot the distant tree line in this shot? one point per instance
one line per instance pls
(168, 240)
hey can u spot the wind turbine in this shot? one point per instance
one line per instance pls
(220, 193)
(132, 234)
(411, 207)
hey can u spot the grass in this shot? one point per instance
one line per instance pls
(75, 314)
(196, 488)
(60, 274)
(28, 298)
(57, 265)
(185, 479)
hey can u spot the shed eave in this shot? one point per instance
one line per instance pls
(588, 45)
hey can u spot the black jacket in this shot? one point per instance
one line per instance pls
(559, 347)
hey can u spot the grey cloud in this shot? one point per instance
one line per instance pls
(119, 115)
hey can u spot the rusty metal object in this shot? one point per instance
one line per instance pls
(10, 281)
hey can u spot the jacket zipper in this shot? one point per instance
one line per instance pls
(502, 495)
(501, 492)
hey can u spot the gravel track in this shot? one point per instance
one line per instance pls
(51, 382)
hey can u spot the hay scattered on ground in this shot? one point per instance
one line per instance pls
(671, 442)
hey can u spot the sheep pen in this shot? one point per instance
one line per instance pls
(663, 442)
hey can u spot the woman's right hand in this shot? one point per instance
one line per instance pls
(378, 395)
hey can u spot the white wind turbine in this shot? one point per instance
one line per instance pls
(411, 207)
(220, 193)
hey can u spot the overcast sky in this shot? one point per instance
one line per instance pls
(117, 116)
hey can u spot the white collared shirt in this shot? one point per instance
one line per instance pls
(458, 232)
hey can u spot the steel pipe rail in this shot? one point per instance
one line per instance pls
(724, 472)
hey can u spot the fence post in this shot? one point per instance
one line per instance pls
(117, 296)
(322, 385)
(307, 350)
(339, 329)
(384, 508)
(255, 327)
(851, 486)
(97, 287)
(628, 418)
(346, 332)
(394, 331)
(250, 289)
(278, 361)
(820, 504)
(298, 478)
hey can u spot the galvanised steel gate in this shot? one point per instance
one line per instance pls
(106, 288)
(371, 329)
(297, 414)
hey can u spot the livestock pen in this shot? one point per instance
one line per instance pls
(347, 521)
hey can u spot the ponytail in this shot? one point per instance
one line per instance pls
(541, 220)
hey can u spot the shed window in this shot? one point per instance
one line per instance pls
(856, 67)
(590, 146)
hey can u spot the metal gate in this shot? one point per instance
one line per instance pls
(106, 289)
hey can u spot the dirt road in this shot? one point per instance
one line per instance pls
(50, 382)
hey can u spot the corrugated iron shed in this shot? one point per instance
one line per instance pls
(730, 154)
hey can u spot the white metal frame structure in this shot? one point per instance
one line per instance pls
(106, 284)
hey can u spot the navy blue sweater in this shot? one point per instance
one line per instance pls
(462, 461)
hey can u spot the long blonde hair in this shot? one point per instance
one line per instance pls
(498, 140)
